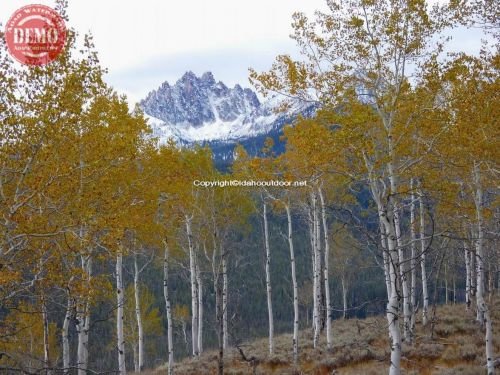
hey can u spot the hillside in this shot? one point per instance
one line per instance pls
(361, 347)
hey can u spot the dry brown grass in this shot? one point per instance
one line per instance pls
(361, 347)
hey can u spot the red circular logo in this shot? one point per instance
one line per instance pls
(35, 34)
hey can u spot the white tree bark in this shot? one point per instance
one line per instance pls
(319, 268)
(170, 341)
(135, 352)
(490, 282)
(483, 311)
(317, 271)
(344, 295)
(313, 263)
(393, 304)
(225, 286)
(413, 264)
(295, 288)
(46, 349)
(219, 322)
(65, 335)
(446, 289)
(200, 308)
(83, 305)
(393, 300)
(268, 280)
(385, 213)
(194, 290)
(138, 316)
(120, 300)
(468, 275)
(467, 259)
(328, 310)
(83, 339)
(473, 272)
(423, 268)
(83, 322)
(498, 276)
(385, 256)
(403, 274)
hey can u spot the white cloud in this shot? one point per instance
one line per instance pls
(134, 34)
(146, 42)
(130, 32)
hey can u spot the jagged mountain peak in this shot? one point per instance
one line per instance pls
(194, 101)
(202, 109)
(208, 77)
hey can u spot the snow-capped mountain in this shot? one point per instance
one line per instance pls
(201, 110)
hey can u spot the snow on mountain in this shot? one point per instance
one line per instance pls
(199, 109)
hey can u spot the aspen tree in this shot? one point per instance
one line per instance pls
(363, 47)
(473, 100)
(262, 169)
(303, 162)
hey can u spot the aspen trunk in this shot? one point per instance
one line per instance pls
(446, 282)
(317, 271)
(220, 323)
(200, 308)
(65, 335)
(482, 308)
(268, 281)
(328, 310)
(390, 218)
(83, 323)
(168, 309)
(83, 339)
(423, 250)
(403, 274)
(468, 275)
(83, 313)
(344, 296)
(473, 271)
(385, 213)
(46, 350)
(498, 276)
(295, 288)
(225, 286)
(194, 290)
(385, 257)
(313, 262)
(138, 315)
(184, 334)
(136, 356)
(467, 259)
(119, 314)
(490, 282)
(413, 264)
(393, 304)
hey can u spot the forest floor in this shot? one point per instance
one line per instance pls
(362, 347)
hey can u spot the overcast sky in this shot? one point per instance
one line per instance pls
(146, 42)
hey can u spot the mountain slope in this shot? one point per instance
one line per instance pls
(453, 345)
(201, 110)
